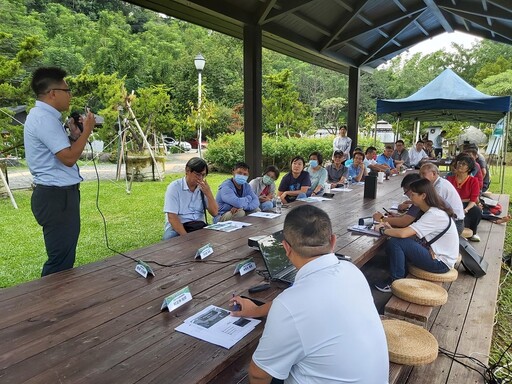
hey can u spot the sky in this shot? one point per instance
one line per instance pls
(443, 41)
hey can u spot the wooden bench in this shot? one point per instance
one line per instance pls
(465, 323)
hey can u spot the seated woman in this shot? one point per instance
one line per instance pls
(434, 226)
(265, 187)
(469, 191)
(317, 174)
(295, 183)
(337, 172)
(357, 169)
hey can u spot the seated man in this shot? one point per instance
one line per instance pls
(400, 155)
(235, 196)
(337, 172)
(429, 149)
(417, 155)
(370, 162)
(387, 162)
(446, 191)
(325, 328)
(412, 212)
(187, 199)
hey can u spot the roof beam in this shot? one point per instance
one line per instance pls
(471, 9)
(438, 14)
(393, 34)
(498, 29)
(405, 43)
(280, 10)
(264, 10)
(343, 24)
(506, 5)
(313, 24)
(382, 22)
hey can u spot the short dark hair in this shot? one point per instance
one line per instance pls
(298, 158)
(242, 165)
(420, 141)
(308, 230)
(370, 149)
(408, 179)
(272, 168)
(358, 153)
(46, 77)
(399, 141)
(318, 156)
(388, 147)
(196, 164)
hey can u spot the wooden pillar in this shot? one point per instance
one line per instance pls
(353, 105)
(252, 99)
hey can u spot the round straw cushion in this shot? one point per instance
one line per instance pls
(409, 344)
(451, 275)
(419, 292)
(466, 233)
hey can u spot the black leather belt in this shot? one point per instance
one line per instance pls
(72, 187)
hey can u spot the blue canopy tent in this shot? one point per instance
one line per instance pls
(449, 98)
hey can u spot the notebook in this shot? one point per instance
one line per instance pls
(278, 265)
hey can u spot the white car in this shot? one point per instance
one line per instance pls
(171, 142)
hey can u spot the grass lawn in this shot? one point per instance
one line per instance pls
(136, 220)
(133, 221)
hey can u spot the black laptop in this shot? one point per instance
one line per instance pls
(278, 265)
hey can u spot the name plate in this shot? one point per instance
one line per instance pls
(204, 252)
(177, 299)
(144, 269)
(244, 267)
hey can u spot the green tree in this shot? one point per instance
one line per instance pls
(283, 113)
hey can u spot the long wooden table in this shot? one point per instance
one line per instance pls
(101, 323)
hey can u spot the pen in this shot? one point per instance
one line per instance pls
(385, 210)
(236, 307)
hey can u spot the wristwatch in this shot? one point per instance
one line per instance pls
(381, 230)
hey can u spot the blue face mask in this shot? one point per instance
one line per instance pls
(313, 163)
(240, 179)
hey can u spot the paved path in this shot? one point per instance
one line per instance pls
(20, 178)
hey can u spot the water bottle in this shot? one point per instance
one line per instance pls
(350, 180)
(279, 205)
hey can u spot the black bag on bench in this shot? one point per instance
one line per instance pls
(471, 260)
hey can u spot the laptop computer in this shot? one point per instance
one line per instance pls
(278, 265)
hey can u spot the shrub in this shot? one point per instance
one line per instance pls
(227, 149)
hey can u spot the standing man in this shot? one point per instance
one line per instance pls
(325, 327)
(438, 144)
(51, 157)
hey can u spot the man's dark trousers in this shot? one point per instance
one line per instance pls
(57, 210)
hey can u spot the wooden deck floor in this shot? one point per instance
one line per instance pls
(465, 323)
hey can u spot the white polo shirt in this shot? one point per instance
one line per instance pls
(325, 328)
(449, 194)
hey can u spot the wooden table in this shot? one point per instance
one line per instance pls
(101, 323)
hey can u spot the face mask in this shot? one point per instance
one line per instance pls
(313, 163)
(267, 180)
(240, 179)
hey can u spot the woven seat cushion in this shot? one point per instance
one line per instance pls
(466, 233)
(409, 344)
(419, 292)
(451, 275)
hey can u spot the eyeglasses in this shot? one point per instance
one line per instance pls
(460, 165)
(200, 174)
(67, 90)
